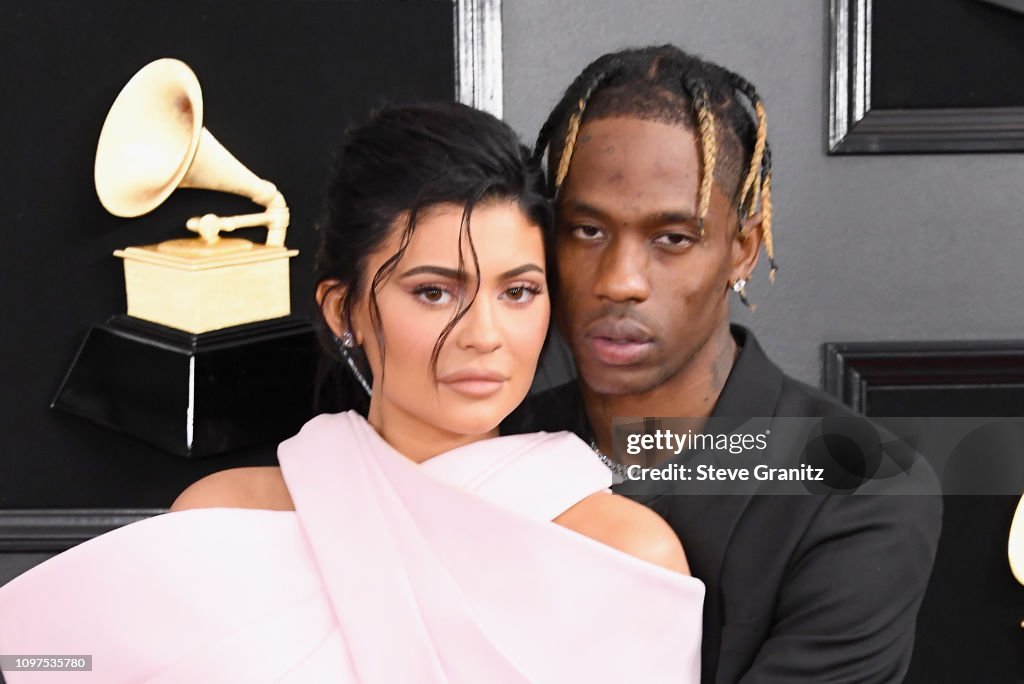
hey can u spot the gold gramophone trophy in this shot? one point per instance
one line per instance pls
(208, 358)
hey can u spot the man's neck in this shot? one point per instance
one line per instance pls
(690, 393)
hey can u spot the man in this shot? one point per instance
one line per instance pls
(661, 172)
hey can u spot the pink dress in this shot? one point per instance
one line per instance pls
(387, 571)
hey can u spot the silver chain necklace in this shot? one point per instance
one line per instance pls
(618, 469)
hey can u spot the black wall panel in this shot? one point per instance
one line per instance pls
(281, 80)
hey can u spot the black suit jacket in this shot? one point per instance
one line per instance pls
(800, 589)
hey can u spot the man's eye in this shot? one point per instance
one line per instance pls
(674, 239)
(587, 232)
(431, 294)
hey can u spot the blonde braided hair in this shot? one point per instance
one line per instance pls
(571, 134)
(709, 153)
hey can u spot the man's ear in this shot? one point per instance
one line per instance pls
(330, 297)
(746, 247)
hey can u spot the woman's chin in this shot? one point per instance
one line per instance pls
(478, 416)
(479, 425)
(475, 418)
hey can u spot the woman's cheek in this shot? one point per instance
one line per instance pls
(410, 332)
(531, 331)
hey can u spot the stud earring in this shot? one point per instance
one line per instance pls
(740, 288)
(348, 340)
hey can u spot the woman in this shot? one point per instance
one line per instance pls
(412, 544)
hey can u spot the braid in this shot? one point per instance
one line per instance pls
(757, 158)
(755, 161)
(760, 166)
(570, 143)
(593, 81)
(544, 136)
(766, 212)
(745, 205)
(706, 123)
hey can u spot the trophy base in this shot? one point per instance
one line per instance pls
(194, 395)
(201, 289)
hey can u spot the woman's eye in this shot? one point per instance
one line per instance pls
(431, 294)
(674, 239)
(587, 232)
(521, 294)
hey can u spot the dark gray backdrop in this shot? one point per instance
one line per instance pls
(869, 248)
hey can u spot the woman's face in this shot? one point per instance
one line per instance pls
(487, 363)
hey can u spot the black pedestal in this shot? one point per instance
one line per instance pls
(195, 395)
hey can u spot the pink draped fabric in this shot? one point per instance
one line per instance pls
(387, 571)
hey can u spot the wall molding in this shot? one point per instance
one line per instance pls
(478, 55)
(852, 369)
(855, 127)
(56, 530)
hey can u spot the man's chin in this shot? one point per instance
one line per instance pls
(619, 381)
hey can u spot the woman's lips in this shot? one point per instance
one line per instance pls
(476, 383)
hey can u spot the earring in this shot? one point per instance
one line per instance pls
(740, 288)
(346, 344)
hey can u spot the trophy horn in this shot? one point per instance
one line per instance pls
(153, 142)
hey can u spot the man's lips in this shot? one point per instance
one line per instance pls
(474, 382)
(618, 342)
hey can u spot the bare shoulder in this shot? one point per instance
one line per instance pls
(627, 526)
(250, 487)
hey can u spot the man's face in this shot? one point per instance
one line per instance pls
(639, 294)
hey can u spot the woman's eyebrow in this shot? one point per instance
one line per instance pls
(434, 270)
(455, 275)
(525, 268)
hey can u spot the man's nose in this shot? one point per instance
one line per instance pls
(478, 328)
(622, 273)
